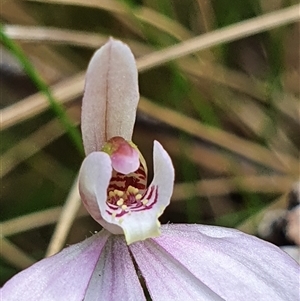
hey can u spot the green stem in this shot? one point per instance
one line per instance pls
(58, 109)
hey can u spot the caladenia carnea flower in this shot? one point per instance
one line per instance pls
(130, 258)
(113, 176)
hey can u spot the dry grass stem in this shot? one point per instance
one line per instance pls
(162, 22)
(143, 14)
(14, 255)
(18, 112)
(56, 35)
(37, 34)
(109, 5)
(64, 91)
(233, 143)
(34, 220)
(53, 64)
(65, 221)
(250, 225)
(211, 159)
(289, 105)
(207, 14)
(32, 144)
(72, 87)
(30, 221)
(224, 35)
(224, 186)
(224, 76)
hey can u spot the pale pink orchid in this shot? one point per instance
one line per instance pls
(113, 176)
(133, 254)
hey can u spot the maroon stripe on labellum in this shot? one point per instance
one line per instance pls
(151, 195)
(121, 181)
(150, 190)
(115, 186)
(154, 190)
(154, 200)
(117, 215)
(137, 205)
(141, 172)
(112, 206)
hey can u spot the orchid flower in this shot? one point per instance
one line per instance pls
(113, 176)
(130, 256)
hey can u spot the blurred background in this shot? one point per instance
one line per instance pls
(225, 108)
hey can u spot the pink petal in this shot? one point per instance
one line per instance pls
(165, 278)
(164, 175)
(64, 276)
(111, 96)
(142, 224)
(94, 176)
(115, 277)
(234, 265)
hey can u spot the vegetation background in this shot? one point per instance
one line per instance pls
(219, 85)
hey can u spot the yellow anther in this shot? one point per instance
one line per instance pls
(138, 196)
(124, 207)
(119, 193)
(145, 201)
(130, 189)
(111, 194)
(120, 202)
